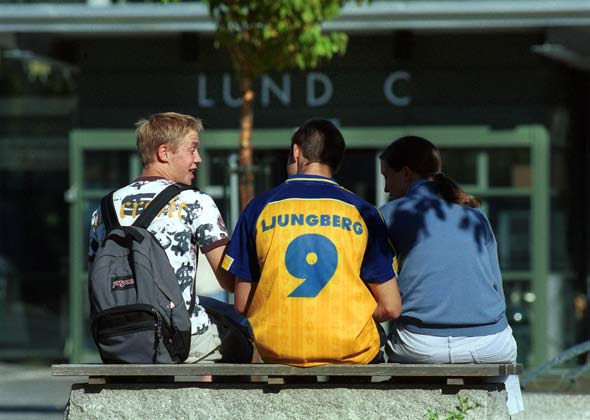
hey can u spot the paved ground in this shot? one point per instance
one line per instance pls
(30, 393)
(545, 406)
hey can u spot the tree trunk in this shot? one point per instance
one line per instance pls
(246, 125)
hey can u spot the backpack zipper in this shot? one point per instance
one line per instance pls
(158, 336)
(136, 326)
(143, 326)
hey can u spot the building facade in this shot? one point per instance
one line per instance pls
(501, 87)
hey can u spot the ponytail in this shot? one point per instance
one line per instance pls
(453, 193)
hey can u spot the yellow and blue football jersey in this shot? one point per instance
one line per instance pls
(311, 245)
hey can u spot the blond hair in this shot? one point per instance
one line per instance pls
(164, 128)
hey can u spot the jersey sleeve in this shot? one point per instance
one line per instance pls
(240, 255)
(205, 220)
(378, 262)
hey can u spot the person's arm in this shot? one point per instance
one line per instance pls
(225, 278)
(389, 301)
(243, 294)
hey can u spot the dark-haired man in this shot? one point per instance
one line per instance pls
(312, 262)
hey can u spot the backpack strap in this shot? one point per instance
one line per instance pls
(150, 212)
(193, 302)
(108, 213)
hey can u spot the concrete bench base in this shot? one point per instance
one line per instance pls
(288, 401)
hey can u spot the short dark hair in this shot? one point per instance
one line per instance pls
(320, 141)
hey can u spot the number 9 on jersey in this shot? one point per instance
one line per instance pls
(314, 259)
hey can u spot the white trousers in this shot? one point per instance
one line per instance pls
(404, 346)
(407, 347)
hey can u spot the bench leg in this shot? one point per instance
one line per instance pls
(455, 381)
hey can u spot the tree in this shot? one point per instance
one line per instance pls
(271, 35)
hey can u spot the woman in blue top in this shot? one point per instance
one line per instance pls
(454, 309)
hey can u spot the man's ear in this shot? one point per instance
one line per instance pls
(162, 153)
(296, 152)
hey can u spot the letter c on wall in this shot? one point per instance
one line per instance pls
(388, 86)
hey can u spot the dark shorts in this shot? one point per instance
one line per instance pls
(234, 330)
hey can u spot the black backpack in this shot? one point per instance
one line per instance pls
(137, 309)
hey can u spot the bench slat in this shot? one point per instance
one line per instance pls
(264, 369)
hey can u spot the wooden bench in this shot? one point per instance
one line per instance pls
(454, 374)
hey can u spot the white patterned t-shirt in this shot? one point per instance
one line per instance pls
(191, 219)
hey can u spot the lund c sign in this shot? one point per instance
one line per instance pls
(319, 90)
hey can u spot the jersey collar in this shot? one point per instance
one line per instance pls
(148, 178)
(306, 177)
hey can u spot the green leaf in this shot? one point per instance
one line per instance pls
(267, 35)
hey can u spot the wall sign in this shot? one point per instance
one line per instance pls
(319, 90)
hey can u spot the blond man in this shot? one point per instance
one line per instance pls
(168, 145)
